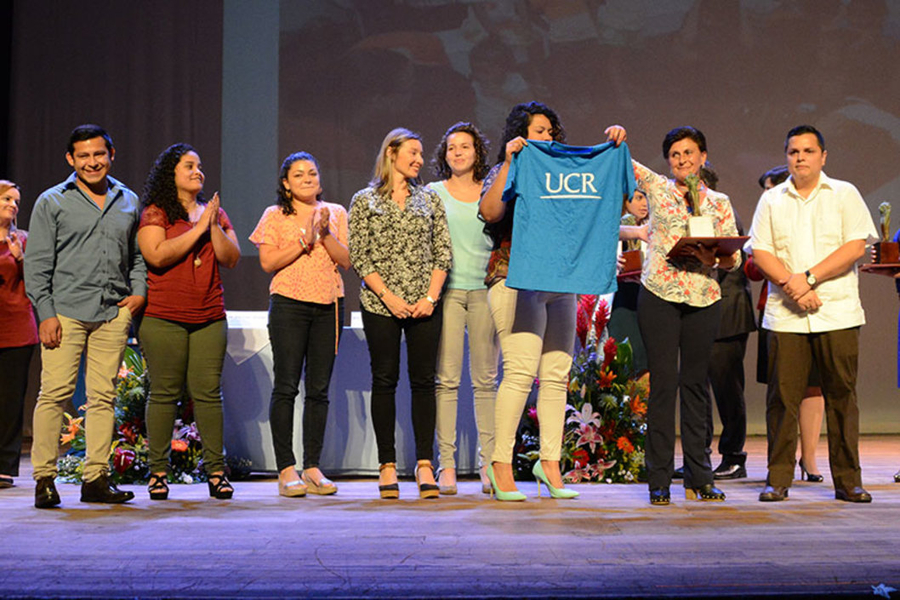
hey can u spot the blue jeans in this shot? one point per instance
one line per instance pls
(301, 333)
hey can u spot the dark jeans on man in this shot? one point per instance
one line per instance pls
(14, 365)
(422, 338)
(301, 333)
(674, 332)
(726, 376)
(791, 356)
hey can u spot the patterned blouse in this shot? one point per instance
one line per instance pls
(402, 246)
(312, 277)
(684, 280)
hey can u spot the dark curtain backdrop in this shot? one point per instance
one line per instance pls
(149, 72)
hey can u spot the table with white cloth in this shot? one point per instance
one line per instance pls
(349, 446)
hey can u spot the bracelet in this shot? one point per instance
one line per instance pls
(306, 247)
(432, 300)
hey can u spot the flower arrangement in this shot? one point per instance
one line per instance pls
(603, 439)
(129, 455)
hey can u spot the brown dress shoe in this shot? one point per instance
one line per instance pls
(773, 494)
(45, 495)
(856, 494)
(104, 491)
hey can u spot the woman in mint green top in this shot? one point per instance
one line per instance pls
(461, 162)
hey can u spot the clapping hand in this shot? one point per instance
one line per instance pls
(15, 245)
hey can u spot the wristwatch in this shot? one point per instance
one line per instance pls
(432, 300)
(811, 279)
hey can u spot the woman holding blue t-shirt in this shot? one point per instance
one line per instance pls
(536, 329)
(461, 161)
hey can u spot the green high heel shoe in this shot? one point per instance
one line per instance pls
(515, 496)
(562, 493)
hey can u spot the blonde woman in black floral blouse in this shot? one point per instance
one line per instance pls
(400, 247)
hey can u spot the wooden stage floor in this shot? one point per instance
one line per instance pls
(608, 543)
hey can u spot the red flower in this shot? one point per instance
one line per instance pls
(128, 433)
(532, 414)
(623, 443)
(123, 459)
(601, 318)
(586, 303)
(581, 458)
(606, 378)
(610, 348)
(581, 327)
(179, 445)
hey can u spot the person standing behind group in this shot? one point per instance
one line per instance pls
(87, 280)
(536, 329)
(460, 161)
(623, 323)
(302, 240)
(678, 313)
(812, 407)
(184, 240)
(400, 247)
(18, 335)
(806, 237)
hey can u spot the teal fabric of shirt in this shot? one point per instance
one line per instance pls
(471, 246)
(81, 260)
(566, 224)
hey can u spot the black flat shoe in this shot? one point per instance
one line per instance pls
(103, 491)
(897, 477)
(705, 493)
(45, 494)
(219, 487)
(157, 487)
(726, 471)
(856, 494)
(773, 494)
(6, 481)
(678, 473)
(811, 477)
(660, 497)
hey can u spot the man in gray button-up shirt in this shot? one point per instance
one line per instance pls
(86, 277)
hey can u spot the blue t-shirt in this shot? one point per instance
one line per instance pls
(566, 223)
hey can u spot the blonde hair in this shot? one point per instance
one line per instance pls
(6, 184)
(384, 162)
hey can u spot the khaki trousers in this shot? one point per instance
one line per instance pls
(103, 344)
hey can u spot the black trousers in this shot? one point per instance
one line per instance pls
(14, 366)
(422, 338)
(726, 376)
(302, 334)
(676, 332)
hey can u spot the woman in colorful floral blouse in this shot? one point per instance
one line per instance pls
(536, 329)
(302, 240)
(678, 313)
(400, 247)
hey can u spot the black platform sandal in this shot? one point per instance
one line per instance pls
(219, 487)
(157, 487)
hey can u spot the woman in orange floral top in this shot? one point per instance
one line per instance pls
(678, 313)
(303, 241)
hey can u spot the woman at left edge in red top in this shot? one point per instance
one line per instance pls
(18, 336)
(185, 239)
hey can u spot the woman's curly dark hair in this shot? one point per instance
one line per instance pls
(439, 164)
(283, 197)
(159, 189)
(520, 118)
